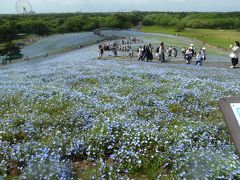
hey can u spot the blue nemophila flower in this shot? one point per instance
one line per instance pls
(125, 116)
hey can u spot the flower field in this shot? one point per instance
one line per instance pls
(73, 117)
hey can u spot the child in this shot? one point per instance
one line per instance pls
(169, 51)
(199, 59)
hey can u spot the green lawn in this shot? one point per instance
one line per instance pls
(2, 46)
(222, 38)
(18, 40)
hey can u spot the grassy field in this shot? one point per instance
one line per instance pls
(20, 40)
(222, 38)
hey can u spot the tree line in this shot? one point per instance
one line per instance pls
(44, 24)
(194, 20)
(11, 25)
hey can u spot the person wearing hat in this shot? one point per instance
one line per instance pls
(184, 51)
(235, 54)
(162, 51)
(192, 49)
(203, 53)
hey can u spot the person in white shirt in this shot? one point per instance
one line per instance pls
(203, 53)
(235, 54)
(169, 51)
(184, 51)
(188, 56)
(193, 49)
(140, 53)
(199, 59)
(162, 51)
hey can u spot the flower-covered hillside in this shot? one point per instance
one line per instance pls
(75, 117)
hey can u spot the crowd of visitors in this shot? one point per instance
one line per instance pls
(115, 46)
(135, 47)
(191, 52)
(145, 52)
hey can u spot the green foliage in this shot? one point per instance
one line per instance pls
(7, 32)
(34, 27)
(12, 25)
(11, 49)
(193, 20)
(74, 24)
(176, 108)
(148, 21)
(180, 27)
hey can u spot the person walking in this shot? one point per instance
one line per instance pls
(188, 56)
(174, 52)
(140, 53)
(144, 53)
(149, 54)
(235, 54)
(199, 59)
(162, 51)
(203, 53)
(193, 50)
(184, 51)
(100, 51)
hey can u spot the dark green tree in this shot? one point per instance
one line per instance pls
(180, 27)
(7, 32)
(11, 49)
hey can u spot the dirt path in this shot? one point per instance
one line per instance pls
(90, 53)
(178, 60)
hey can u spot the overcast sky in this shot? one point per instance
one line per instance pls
(46, 6)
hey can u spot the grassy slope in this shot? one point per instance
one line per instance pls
(19, 40)
(214, 37)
